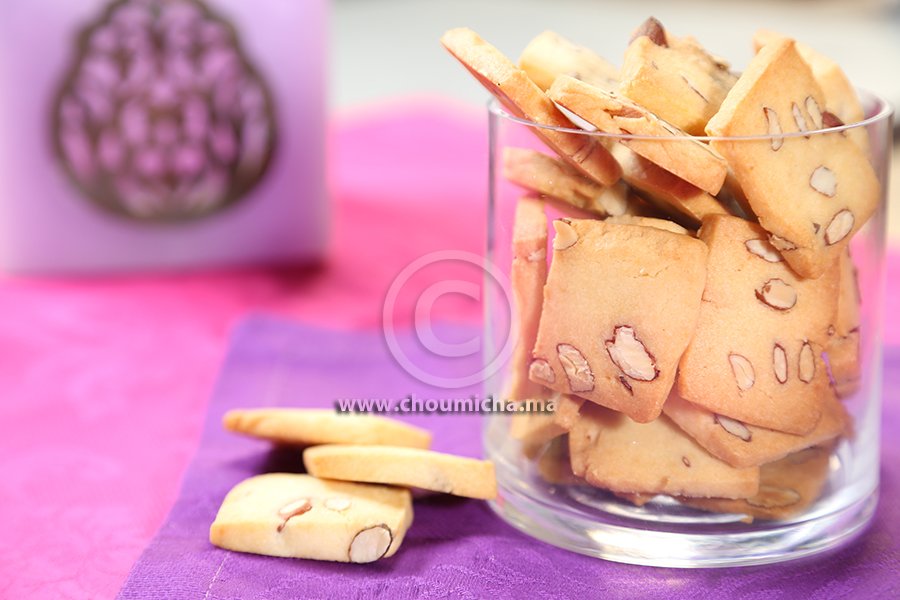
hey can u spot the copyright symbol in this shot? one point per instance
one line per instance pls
(495, 284)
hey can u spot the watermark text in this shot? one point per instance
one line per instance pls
(413, 404)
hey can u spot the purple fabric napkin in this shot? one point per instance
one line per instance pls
(456, 548)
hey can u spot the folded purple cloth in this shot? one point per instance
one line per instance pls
(456, 548)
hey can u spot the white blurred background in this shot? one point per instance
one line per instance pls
(386, 48)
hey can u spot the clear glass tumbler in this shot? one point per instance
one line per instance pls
(542, 498)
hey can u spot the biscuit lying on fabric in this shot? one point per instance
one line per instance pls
(406, 467)
(299, 516)
(311, 426)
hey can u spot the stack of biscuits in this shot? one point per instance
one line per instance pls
(694, 317)
(354, 502)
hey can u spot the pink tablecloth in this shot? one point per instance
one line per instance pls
(104, 382)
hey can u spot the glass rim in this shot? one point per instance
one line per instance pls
(884, 112)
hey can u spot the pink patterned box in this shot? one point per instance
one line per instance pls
(139, 134)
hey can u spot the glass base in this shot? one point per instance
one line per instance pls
(665, 533)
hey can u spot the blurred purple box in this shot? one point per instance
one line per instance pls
(152, 134)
